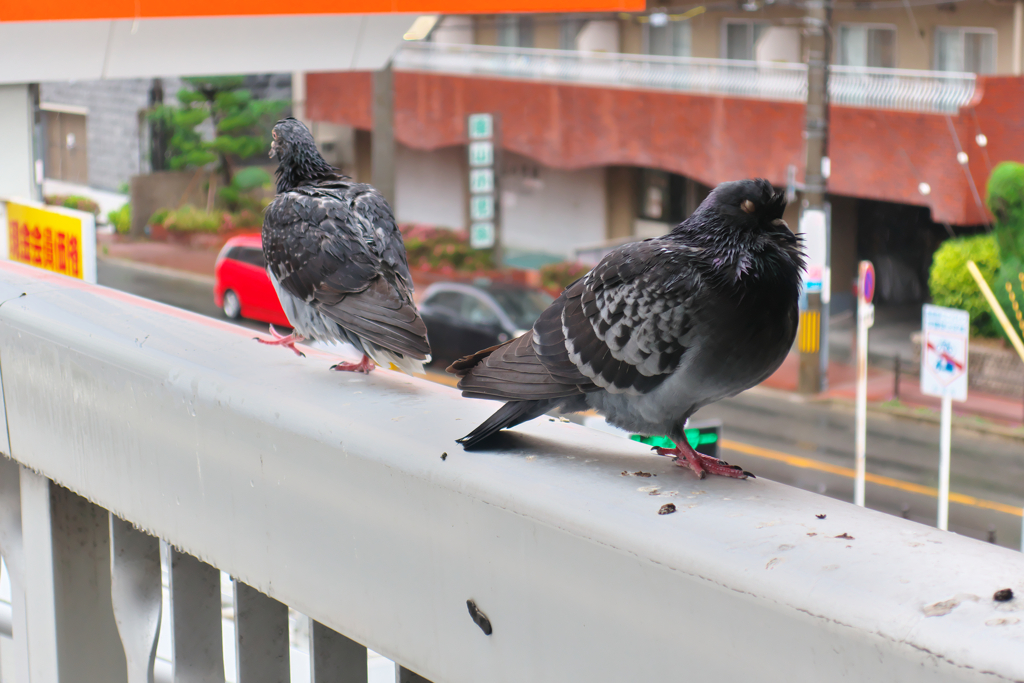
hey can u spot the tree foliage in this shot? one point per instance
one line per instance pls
(241, 124)
(951, 283)
(1006, 202)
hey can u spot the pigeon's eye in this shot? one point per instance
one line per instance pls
(748, 206)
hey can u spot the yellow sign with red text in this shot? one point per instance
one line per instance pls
(45, 239)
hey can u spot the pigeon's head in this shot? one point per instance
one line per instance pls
(299, 161)
(290, 136)
(751, 206)
(740, 230)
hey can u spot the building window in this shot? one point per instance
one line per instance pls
(670, 39)
(662, 196)
(515, 30)
(867, 45)
(965, 49)
(740, 38)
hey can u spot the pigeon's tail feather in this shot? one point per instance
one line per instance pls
(509, 415)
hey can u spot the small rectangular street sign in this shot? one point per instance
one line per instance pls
(52, 238)
(481, 180)
(944, 352)
(481, 153)
(481, 126)
(481, 235)
(481, 207)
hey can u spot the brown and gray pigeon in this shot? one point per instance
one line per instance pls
(659, 328)
(337, 260)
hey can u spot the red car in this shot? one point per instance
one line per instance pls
(243, 289)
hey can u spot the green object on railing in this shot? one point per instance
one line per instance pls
(696, 437)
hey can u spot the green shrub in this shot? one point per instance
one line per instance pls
(158, 217)
(121, 219)
(1005, 199)
(73, 201)
(951, 283)
(558, 276)
(192, 219)
(243, 192)
(444, 250)
(243, 219)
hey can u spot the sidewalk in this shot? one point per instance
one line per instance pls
(164, 254)
(1004, 411)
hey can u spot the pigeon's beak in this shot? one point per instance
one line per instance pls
(273, 149)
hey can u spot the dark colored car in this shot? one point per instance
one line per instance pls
(243, 289)
(464, 318)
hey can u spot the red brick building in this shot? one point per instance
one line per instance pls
(592, 155)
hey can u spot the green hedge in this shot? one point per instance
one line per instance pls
(1005, 199)
(951, 283)
(121, 219)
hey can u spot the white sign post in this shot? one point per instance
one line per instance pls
(865, 319)
(944, 374)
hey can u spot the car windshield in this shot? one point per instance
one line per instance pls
(522, 305)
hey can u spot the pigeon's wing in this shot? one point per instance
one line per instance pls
(623, 327)
(627, 324)
(340, 251)
(534, 366)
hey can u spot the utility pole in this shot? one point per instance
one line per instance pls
(382, 147)
(814, 218)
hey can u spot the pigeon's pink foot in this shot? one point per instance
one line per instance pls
(282, 340)
(703, 465)
(364, 366)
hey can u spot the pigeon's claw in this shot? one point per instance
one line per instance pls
(287, 341)
(703, 465)
(364, 366)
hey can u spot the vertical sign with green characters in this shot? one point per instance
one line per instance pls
(483, 209)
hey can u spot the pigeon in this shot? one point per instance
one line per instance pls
(658, 329)
(337, 261)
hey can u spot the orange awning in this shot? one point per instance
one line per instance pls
(62, 10)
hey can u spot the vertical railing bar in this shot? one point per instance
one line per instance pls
(136, 594)
(333, 658)
(403, 675)
(261, 637)
(196, 621)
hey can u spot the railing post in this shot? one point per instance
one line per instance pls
(333, 658)
(71, 631)
(136, 595)
(14, 555)
(195, 620)
(261, 637)
(403, 675)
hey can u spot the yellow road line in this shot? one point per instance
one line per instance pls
(808, 463)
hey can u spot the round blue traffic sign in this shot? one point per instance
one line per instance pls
(866, 282)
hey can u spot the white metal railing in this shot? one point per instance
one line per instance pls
(332, 494)
(925, 91)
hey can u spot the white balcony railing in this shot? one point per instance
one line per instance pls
(923, 91)
(329, 493)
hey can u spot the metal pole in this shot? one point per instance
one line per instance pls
(944, 439)
(896, 378)
(382, 147)
(813, 358)
(862, 403)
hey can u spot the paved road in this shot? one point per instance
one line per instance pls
(804, 444)
(810, 445)
(193, 293)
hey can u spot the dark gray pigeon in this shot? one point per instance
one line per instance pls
(659, 328)
(337, 261)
